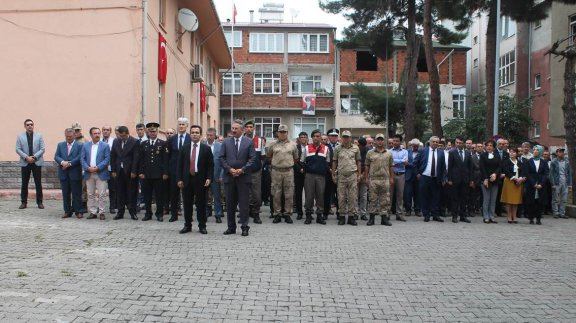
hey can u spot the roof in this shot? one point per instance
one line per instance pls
(437, 45)
(278, 25)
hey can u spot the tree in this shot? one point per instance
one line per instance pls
(513, 120)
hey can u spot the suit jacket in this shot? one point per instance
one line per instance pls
(153, 160)
(216, 148)
(476, 175)
(555, 172)
(243, 158)
(38, 148)
(411, 170)
(102, 159)
(172, 145)
(459, 170)
(536, 176)
(127, 156)
(73, 172)
(422, 161)
(205, 162)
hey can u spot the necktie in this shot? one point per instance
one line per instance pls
(152, 143)
(462, 154)
(123, 142)
(180, 143)
(193, 161)
(69, 148)
(237, 144)
(433, 171)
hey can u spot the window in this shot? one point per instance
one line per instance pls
(366, 61)
(537, 82)
(232, 88)
(475, 40)
(572, 29)
(475, 62)
(309, 124)
(265, 127)
(300, 84)
(308, 43)
(508, 68)
(537, 24)
(267, 83)
(350, 105)
(536, 129)
(237, 38)
(459, 103)
(266, 43)
(162, 12)
(508, 27)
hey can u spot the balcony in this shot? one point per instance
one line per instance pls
(320, 93)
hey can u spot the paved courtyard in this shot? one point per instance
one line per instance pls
(89, 270)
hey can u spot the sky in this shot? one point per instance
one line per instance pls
(297, 11)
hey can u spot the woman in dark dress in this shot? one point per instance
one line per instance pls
(489, 169)
(535, 196)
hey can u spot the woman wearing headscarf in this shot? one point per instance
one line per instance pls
(513, 168)
(535, 197)
(490, 170)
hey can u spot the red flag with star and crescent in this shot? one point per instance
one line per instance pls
(162, 59)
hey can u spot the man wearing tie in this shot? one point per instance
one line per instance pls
(123, 164)
(30, 147)
(175, 144)
(431, 171)
(67, 157)
(237, 157)
(95, 160)
(459, 179)
(195, 173)
(215, 202)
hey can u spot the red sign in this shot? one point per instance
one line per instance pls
(162, 59)
(202, 97)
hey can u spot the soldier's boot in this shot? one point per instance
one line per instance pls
(320, 219)
(386, 221)
(455, 219)
(371, 221)
(400, 218)
(363, 217)
(257, 219)
(308, 218)
(352, 220)
(341, 220)
(277, 219)
(288, 219)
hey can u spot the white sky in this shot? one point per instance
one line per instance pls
(305, 11)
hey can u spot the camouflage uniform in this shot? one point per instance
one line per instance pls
(379, 163)
(283, 154)
(347, 178)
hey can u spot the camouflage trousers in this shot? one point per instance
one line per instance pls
(282, 184)
(347, 194)
(379, 196)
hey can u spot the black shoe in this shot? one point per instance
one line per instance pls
(118, 217)
(538, 222)
(364, 217)
(309, 219)
(23, 206)
(160, 218)
(112, 211)
(257, 219)
(203, 231)
(352, 220)
(41, 206)
(437, 219)
(371, 221)
(288, 219)
(531, 221)
(299, 217)
(386, 221)
(319, 219)
(454, 219)
(465, 220)
(492, 221)
(173, 219)
(218, 220)
(277, 219)
(426, 219)
(186, 230)
(245, 231)
(229, 231)
(147, 218)
(133, 216)
(341, 220)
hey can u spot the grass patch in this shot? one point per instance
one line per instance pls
(66, 273)
(21, 274)
(89, 242)
(39, 238)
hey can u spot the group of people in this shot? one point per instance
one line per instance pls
(314, 176)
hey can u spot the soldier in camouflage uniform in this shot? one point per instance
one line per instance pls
(346, 169)
(282, 153)
(379, 164)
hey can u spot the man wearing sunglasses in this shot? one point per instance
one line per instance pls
(30, 147)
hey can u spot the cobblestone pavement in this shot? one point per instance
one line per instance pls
(89, 270)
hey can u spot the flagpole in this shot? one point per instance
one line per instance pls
(232, 69)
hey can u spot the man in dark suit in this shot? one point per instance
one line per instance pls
(502, 152)
(124, 167)
(195, 174)
(300, 174)
(475, 195)
(459, 179)
(174, 145)
(411, 201)
(153, 169)
(237, 157)
(431, 171)
(67, 157)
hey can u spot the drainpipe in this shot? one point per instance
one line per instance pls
(144, 58)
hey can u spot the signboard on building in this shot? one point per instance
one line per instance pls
(309, 104)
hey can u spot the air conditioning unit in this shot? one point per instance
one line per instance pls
(197, 73)
(211, 89)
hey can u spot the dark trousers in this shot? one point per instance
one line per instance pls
(126, 193)
(174, 196)
(112, 193)
(298, 190)
(474, 201)
(237, 194)
(153, 187)
(459, 197)
(411, 194)
(535, 209)
(36, 172)
(330, 195)
(195, 194)
(71, 195)
(430, 192)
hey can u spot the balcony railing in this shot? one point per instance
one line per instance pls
(320, 93)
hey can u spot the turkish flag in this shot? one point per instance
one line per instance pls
(162, 59)
(202, 97)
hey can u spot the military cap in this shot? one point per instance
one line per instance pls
(152, 125)
(283, 128)
(76, 126)
(379, 136)
(333, 132)
(248, 122)
(346, 133)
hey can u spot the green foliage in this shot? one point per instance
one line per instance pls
(514, 120)
(373, 102)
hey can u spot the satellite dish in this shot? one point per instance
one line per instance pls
(188, 19)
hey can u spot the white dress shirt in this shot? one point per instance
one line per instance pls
(93, 154)
(428, 170)
(197, 153)
(446, 155)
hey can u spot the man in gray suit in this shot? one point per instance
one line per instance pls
(30, 147)
(237, 156)
(214, 204)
